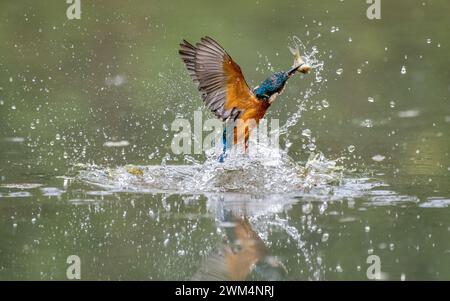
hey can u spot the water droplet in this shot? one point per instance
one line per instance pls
(378, 158)
(325, 103)
(339, 71)
(339, 268)
(351, 148)
(367, 123)
(392, 104)
(359, 71)
(350, 39)
(367, 229)
(334, 29)
(306, 133)
(10, 79)
(408, 113)
(307, 208)
(428, 41)
(319, 260)
(122, 143)
(403, 71)
(370, 99)
(402, 277)
(325, 237)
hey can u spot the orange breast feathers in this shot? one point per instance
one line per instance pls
(247, 122)
(240, 96)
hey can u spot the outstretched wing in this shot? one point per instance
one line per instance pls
(224, 89)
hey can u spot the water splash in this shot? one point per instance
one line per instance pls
(262, 171)
(311, 57)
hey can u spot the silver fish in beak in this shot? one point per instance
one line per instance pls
(299, 64)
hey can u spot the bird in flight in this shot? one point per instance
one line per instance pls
(225, 91)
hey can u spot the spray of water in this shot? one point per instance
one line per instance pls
(258, 184)
(310, 56)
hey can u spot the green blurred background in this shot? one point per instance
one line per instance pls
(69, 86)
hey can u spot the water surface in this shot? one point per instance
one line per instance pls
(364, 168)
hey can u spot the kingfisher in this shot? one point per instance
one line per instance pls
(242, 255)
(225, 91)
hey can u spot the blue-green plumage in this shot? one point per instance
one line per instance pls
(224, 89)
(271, 85)
(225, 145)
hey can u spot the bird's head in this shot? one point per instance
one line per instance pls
(274, 85)
(271, 86)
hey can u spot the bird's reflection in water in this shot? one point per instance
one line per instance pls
(243, 255)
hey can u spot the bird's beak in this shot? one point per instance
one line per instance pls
(293, 70)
